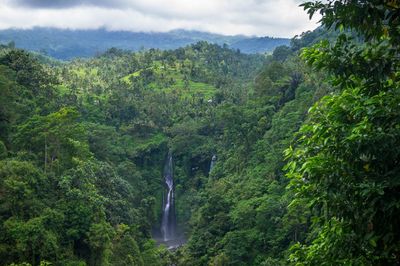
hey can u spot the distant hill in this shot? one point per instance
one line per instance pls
(259, 44)
(67, 44)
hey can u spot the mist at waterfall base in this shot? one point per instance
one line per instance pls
(168, 224)
(169, 234)
(212, 163)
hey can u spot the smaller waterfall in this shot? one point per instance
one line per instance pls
(168, 223)
(213, 162)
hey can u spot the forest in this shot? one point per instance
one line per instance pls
(66, 44)
(289, 158)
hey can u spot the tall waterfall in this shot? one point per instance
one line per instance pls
(212, 164)
(168, 223)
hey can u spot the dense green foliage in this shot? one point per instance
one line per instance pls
(243, 217)
(307, 170)
(83, 145)
(345, 164)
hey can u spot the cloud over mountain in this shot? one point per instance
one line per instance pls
(252, 17)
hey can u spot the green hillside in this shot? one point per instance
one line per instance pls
(204, 155)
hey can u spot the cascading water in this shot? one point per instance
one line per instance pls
(213, 162)
(168, 223)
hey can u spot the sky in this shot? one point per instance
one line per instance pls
(277, 18)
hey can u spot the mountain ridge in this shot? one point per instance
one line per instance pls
(67, 44)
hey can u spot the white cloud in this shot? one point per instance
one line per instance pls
(280, 18)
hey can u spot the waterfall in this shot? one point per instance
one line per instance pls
(213, 162)
(168, 223)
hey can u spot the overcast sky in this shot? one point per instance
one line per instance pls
(279, 18)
